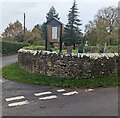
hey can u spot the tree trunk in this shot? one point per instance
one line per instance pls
(73, 46)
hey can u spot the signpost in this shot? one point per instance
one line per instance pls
(53, 33)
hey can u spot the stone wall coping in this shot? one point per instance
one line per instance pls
(90, 55)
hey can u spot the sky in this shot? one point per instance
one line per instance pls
(36, 10)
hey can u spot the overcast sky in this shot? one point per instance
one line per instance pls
(36, 10)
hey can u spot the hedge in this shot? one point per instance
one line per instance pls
(34, 47)
(10, 47)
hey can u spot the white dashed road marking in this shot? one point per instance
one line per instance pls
(14, 98)
(48, 97)
(61, 90)
(89, 90)
(70, 93)
(22, 102)
(18, 103)
(43, 93)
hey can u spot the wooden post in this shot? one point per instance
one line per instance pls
(61, 38)
(119, 28)
(118, 39)
(24, 28)
(46, 40)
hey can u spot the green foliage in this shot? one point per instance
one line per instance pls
(87, 49)
(43, 28)
(14, 72)
(35, 37)
(72, 33)
(10, 47)
(80, 49)
(34, 47)
(14, 32)
(95, 49)
(68, 40)
(112, 49)
(52, 13)
(104, 28)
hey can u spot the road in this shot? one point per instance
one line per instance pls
(34, 100)
(6, 60)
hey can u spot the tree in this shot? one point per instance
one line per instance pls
(91, 33)
(105, 27)
(72, 31)
(34, 37)
(43, 27)
(52, 13)
(106, 23)
(14, 32)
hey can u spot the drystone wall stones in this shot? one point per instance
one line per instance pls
(69, 65)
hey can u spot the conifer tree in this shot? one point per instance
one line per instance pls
(72, 31)
(52, 13)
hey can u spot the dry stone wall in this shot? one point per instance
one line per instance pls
(69, 65)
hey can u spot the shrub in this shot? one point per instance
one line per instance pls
(34, 47)
(10, 47)
(112, 49)
(95, 49)
(80, 49)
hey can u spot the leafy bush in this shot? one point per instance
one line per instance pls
(10, 47)
(87, 49)
(34, 47)
(112, 49)
(95, 49)
(80, 49)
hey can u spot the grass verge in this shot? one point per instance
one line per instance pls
(14, 72)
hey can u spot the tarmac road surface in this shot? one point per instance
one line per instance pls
(34, 100)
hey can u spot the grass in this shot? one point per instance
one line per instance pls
(65, 51)
(14, 72)
(43, 48)
(34, 47)
(109, 49)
